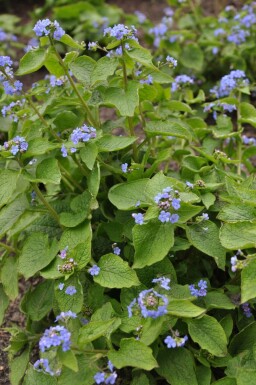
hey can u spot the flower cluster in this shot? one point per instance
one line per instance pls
(45, 27)
(69, 264)
(107, 378)
(121, 31)
(219, 106)
(42, 365)
(139, 218)
(247, 310)
(79, 134)
(163, 282)
(149, 304)
(6, 37)
(148, 80)
(118, 51)
(65, 316)
(166, 200)
(201, 291)
(55, 336)
(171, 60)
(181, 81)
(11, 86)
(235, 79)
(250, 141)
(237, 264)
(10, 110)
(16, 145)
(55, 82)
(94, 270)
(175, 341)
(160, 31)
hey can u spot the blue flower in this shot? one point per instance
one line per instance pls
(61, 286)
(181, 80)
(94, 270)
(164, 216)
(111, 379)
(70, 290)
(176, 203)
(92, 46)
(201, 292)
(164, 282)
(55, 336)
(45, 27)
(116, 250)
(175, 341)
(171, 60)
(174, 218)
(42, 365)
(152, 304)
(121, 31)
(124, 167)
(5, 61)
(247, 310)
(148, 80)
(189, 185)
(64, 316)
(139, 218)
(83, 134)
(99, 377)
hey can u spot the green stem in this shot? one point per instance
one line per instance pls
(195, 13)
(47, 204)
(8, 248)
(81, 168)
(70, 178)
(62, 64)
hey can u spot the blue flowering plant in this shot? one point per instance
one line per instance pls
(127, 211)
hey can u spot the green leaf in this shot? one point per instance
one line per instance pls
(237, 213)
(8, 182)
(68, 359)
(218, 300)
(10, 214)
(39, 146)
(68, 302)
(82, 68)
(115, 273)
(152, 241)
(18, 367)
(52, 64)
(84, 376)
(192, 57)
(244, 340)
(65, 120)
(238, 235)
(73, 237)
(48, 171)
(170, 127)
(248, 113)
(203, 375)
(141, 55)
(89, 154)
(125, 195)
(9, 277)
(225, 381)
(66, 39)
(40, 301)
(124, 100)
(4, 302)
(114, 143)
(246, 376)
(80, 206)
(38, 378)
(104, 68)
(177, 366)
(152, 328)
(94, 330)
(209, 334)
(133, 353)
(82, 253)
(184, 309)
(175, 105)
(248, 281)
(36, 254)
(31, 61)
(208, 199)
(205, 237)
(140, 379)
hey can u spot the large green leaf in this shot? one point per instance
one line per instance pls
(248, 281)
(8, 182)
(238, 235)
(170, 127)
(9, 277)
(114, 143)
(192, 57)
(68, 302)
(209, 334)
(248, 113)
(177, 366)
(36, 254)
(184, 308)
(48, 171)
(104, 68)
(237, 213)
(10, 214)
(31, 61)
(205, 237)
(18, 367)
(39, 302)
(218, 300)
(89, 154)
(96, 329)
(82, 68)
(152, 241)
(4, 302)
(124, 100)
(84, 376)
(141, 55)
(115, 273)
(133, 353)
(244, 340)
(125, 195)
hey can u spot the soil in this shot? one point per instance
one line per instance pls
(153, 9)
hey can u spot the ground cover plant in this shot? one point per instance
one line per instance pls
(128, 203)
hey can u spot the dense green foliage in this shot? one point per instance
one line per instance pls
(127, 198)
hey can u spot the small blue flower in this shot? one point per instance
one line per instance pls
(61, 286)
(99, 377)
(164, 282)
(64, 316)
(116, 250)
(164, 216)
(171, 60)
(92, 46)
(42, 365)
(181, 80)
(139, 218)
(201, 292)
(111, 379)
(55, 336)
(70, 290)
(124, 167)
(94, 270)
(170, 342)
(247, 310)
(5, 61)
(189, 185)
(174, 218)
(176, 203)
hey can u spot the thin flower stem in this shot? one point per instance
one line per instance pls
(62, 64)
(8, 248)
(46, 204)
(70, 178)
(81, 168)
